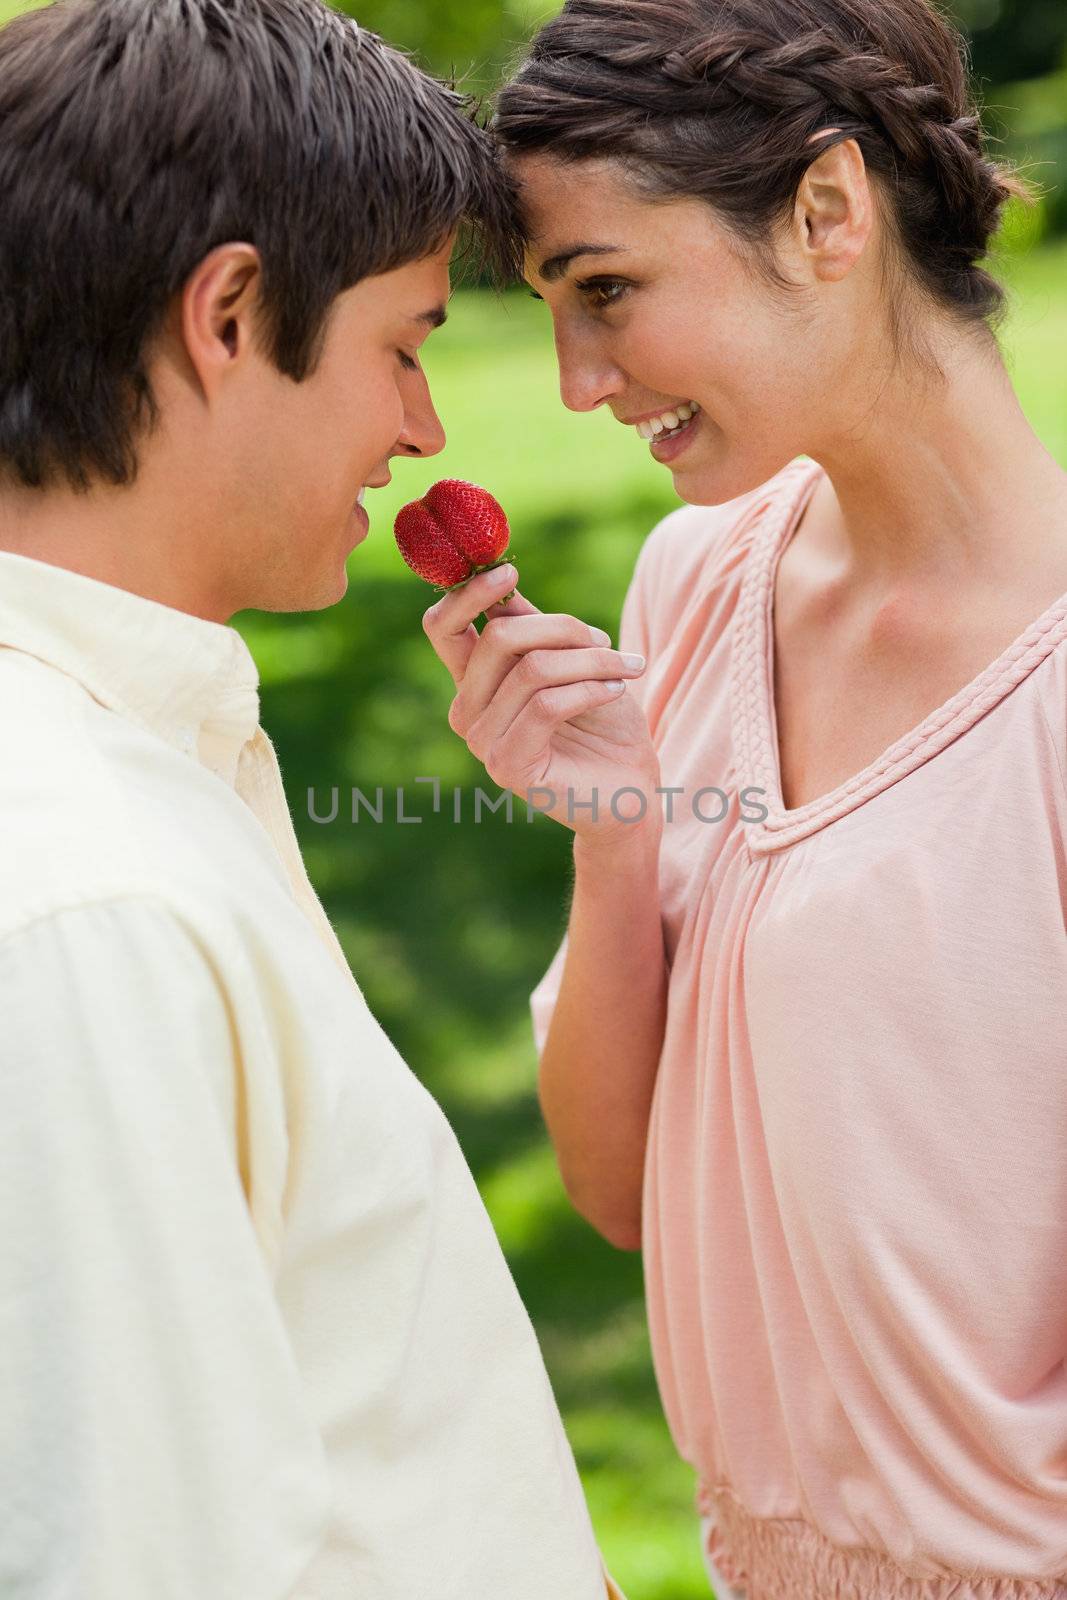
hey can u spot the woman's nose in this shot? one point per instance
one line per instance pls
(586, 380)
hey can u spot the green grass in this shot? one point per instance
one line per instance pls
(1035, 340)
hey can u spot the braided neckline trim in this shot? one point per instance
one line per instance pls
(752, 678)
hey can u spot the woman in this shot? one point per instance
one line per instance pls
(811, 1055)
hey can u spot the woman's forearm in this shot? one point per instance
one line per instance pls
(598, 1066)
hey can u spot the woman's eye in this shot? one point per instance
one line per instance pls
(603, 292)
(408, 361)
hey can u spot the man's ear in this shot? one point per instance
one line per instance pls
(834, 211)
(219, 306)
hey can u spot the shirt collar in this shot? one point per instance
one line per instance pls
(191, 681)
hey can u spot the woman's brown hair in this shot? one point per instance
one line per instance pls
(722, 100)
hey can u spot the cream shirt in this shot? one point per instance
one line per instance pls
(257, 1337)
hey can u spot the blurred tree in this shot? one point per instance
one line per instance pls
(471, 39)
(1014, 39)
(1010, 39)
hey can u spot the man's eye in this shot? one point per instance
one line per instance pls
(603, 292)
(407, 361)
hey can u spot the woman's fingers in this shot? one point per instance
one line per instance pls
(538, 675)
(516, 606)
(506, 646)
(515, 751)
(449, 624)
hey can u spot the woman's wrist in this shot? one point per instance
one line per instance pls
(621, 844)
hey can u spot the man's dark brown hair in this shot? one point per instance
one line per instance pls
(721, 100)
(136, 135)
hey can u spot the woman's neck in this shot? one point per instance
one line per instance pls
(944, 484)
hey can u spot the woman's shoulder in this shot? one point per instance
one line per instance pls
(699, 545)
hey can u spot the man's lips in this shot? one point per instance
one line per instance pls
(373, 483)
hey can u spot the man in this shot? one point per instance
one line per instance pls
(258, 1339)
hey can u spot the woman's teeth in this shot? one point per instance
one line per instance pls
(670, 422)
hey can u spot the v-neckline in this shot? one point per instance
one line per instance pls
(755, 726)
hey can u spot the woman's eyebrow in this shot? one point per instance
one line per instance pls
(434, 318)
(557, 265)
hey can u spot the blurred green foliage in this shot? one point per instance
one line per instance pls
(449, 926)
(1031, 118)
(1012, 38)
(472, 40)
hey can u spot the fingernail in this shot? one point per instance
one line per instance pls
(600, 636)
(502, 576)
(633, 663)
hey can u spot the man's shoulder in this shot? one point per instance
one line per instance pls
(93, 806)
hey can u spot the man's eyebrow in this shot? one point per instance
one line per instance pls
(433, 318)
(556, 266)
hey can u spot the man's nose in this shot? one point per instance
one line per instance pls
(423, 434)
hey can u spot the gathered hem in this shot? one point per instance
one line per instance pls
(786, 1558)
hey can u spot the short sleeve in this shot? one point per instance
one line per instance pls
(156, 1434)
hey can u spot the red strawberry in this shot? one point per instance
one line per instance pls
(455, 531)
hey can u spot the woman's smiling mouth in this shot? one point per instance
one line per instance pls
(669, 432)
(669, 422)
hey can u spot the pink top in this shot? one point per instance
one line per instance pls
(855, 1206)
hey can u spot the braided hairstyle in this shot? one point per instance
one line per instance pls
(722, 100)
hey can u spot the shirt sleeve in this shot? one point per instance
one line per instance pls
(156, 1436)
(635, 634)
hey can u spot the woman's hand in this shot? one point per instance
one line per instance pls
(536, 704)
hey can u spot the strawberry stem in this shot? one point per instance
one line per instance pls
(447, 588)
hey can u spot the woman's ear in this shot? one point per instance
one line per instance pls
(833, 211)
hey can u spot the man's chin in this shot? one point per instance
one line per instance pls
(337, 591)
(305, 597)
